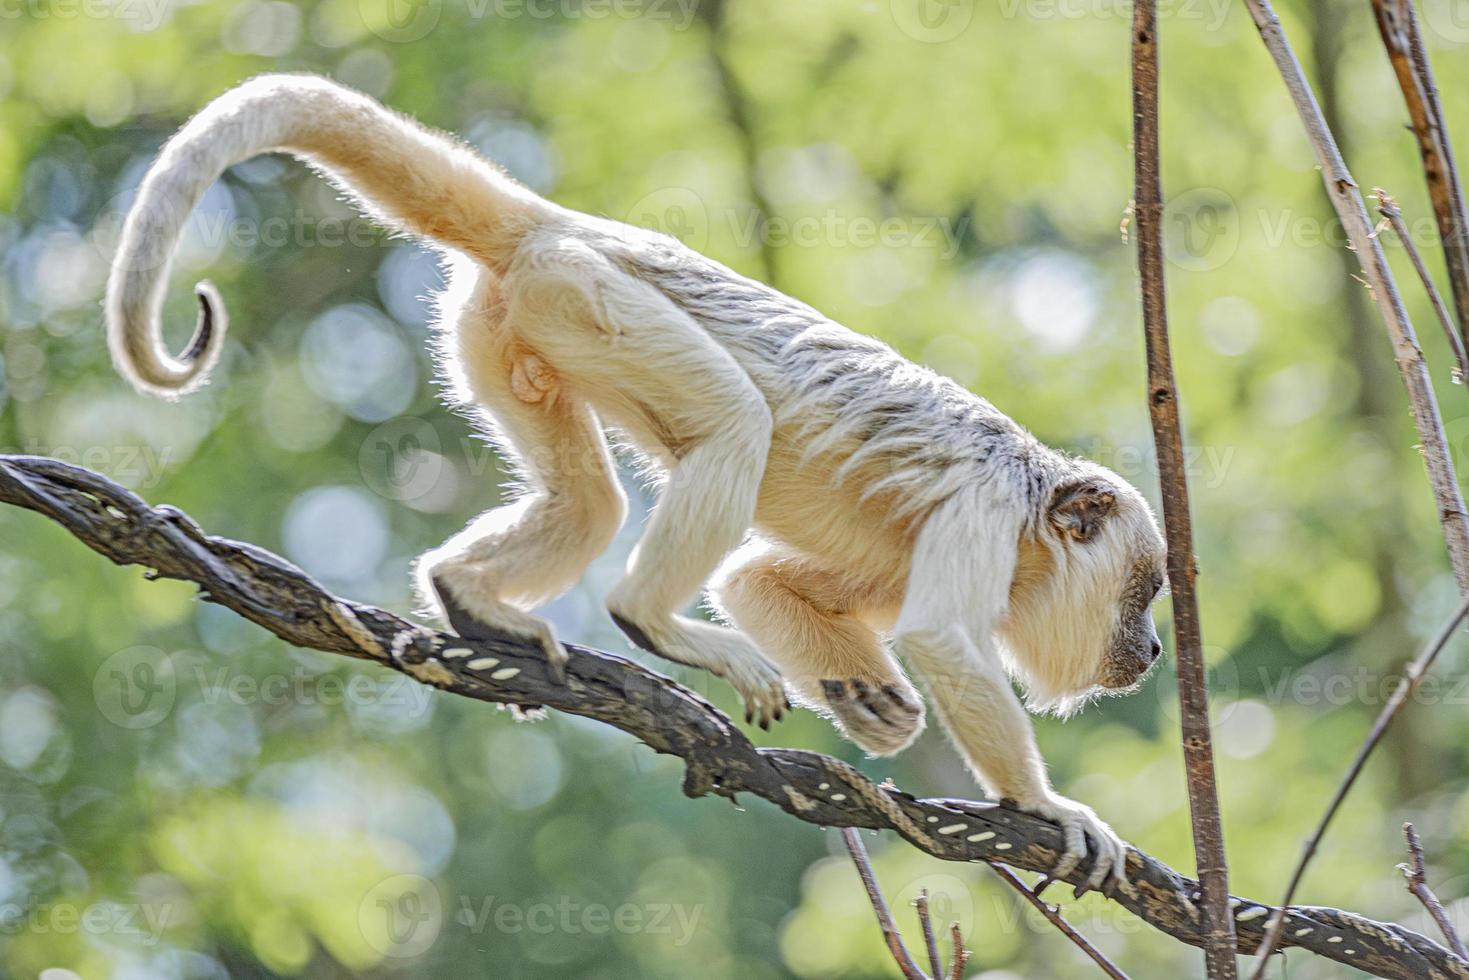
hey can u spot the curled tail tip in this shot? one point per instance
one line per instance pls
(210, 324)
(140, 356)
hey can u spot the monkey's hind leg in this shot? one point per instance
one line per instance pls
(625, 341)
(705, 509)
(530, 551)
(799, 615)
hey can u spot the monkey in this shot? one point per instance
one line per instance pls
(848, 511)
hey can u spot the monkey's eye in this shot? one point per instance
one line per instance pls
(1160, 587)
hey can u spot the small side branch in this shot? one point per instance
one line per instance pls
(1412, 678)
(961, 955)
(1388, 208)
(1402, 37)
(1346, 199)
(930, 941)
(1193, 695)
(1417, 877)
(890, 934)
(1053, 915)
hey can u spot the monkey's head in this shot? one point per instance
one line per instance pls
(1080, 621)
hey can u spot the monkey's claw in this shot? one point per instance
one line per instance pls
(1081, 824)
(764, 693)
(881, 716)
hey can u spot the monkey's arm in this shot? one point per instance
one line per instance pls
(957, 591)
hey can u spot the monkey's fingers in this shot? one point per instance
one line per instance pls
(878, 716)
(763, 691)
(1075, 849)
(1101, 868)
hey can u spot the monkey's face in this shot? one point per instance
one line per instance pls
(1135, 646)
(1080, 621)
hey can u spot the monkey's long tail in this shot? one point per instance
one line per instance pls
(408, 177)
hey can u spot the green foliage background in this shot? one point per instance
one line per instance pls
(182, 796)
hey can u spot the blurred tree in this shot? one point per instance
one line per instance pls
(947, 177)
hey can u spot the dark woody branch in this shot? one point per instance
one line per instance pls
(663, 714)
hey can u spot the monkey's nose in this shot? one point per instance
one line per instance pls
(1155, 651)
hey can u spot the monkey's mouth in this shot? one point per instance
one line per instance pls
(1123, 675)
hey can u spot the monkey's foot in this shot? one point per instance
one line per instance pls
(516, 624)
(1081, 825)
(762, 690)
(882, 717)
(724, 652)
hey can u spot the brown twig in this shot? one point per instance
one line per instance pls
(1053, 914)
(890, 933)
(1346, 199)
(1397, 22)
(1388, 208)
(1417, 876)
(1412, 677)
(666, 716)
(1193, 697)
(961, 955)
(930, 941)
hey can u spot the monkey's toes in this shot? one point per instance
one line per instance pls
(882, 717)
(760, 686)
(765, 699)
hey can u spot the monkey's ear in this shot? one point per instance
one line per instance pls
(1078, 510)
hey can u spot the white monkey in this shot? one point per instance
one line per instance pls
(885, 512)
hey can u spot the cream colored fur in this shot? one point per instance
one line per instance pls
(882, 509)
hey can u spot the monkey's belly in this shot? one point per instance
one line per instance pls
(802, 507)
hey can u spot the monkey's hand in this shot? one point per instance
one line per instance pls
(1080, 823)
(882, 716)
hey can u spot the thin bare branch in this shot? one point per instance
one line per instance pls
(1388, 208)
(1193, 695)
(1412, 678)
(930, 941)
(1417, 876)
(1346, 199)
(1402, 37)
(1053, 914)
(961, 955)
(664, 715)
(890, 934)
